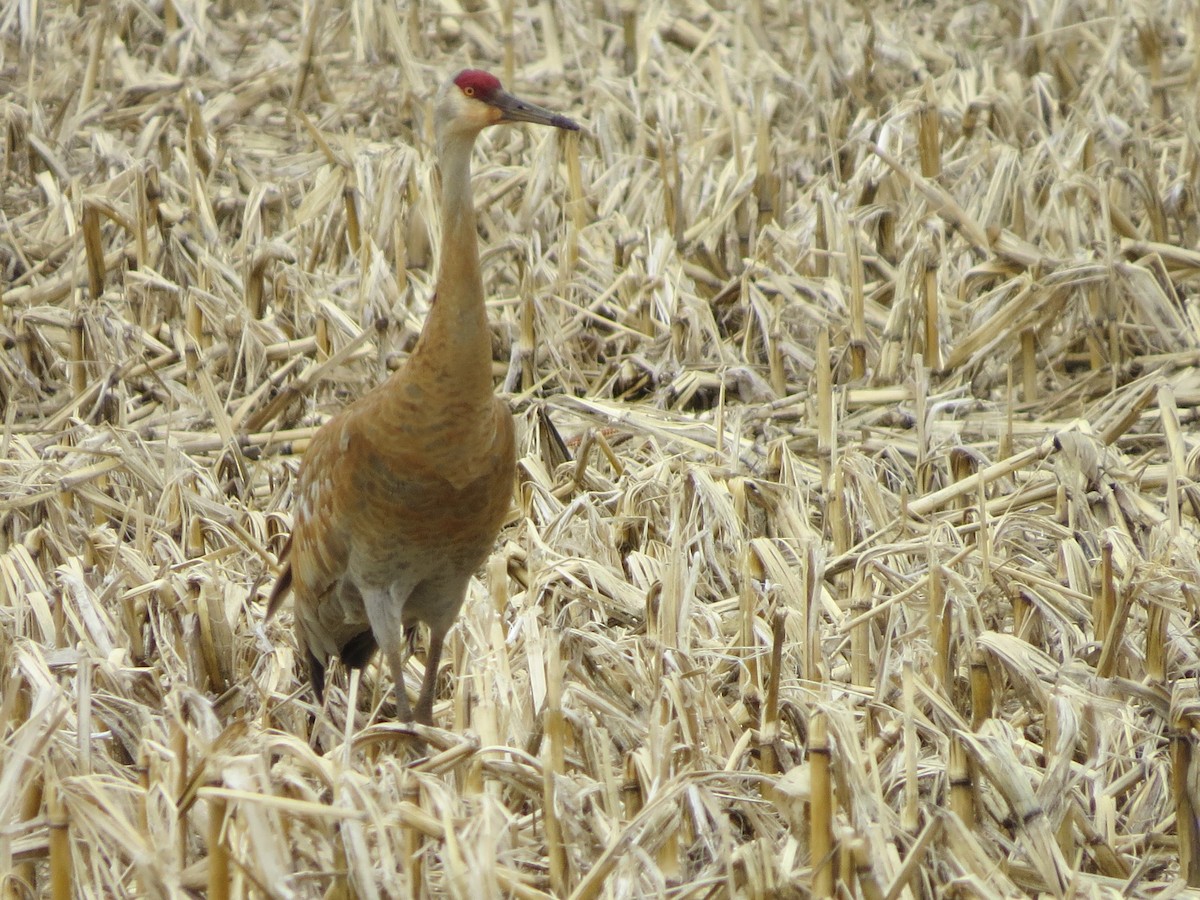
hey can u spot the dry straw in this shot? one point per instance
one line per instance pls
(854, 353)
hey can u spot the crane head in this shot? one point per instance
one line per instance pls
(474, 99)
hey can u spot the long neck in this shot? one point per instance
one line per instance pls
(456, 344)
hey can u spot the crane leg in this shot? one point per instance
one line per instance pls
(384, 614)
(429, 682)
(395, 655)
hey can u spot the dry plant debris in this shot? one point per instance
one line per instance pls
(854, 350)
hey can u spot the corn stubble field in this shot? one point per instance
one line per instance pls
(854, 357)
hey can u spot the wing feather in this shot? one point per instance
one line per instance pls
(315, 556)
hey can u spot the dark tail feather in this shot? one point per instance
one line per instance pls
(357, 651)
(316, 674)
(283, 584)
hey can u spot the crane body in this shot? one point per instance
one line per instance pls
(400, 496)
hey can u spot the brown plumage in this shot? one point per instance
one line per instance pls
(400, 496)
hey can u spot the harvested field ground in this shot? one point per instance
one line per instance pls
(854, 352)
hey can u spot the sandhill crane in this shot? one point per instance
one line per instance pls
(400, 496)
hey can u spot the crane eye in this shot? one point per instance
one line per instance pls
(469, 91)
